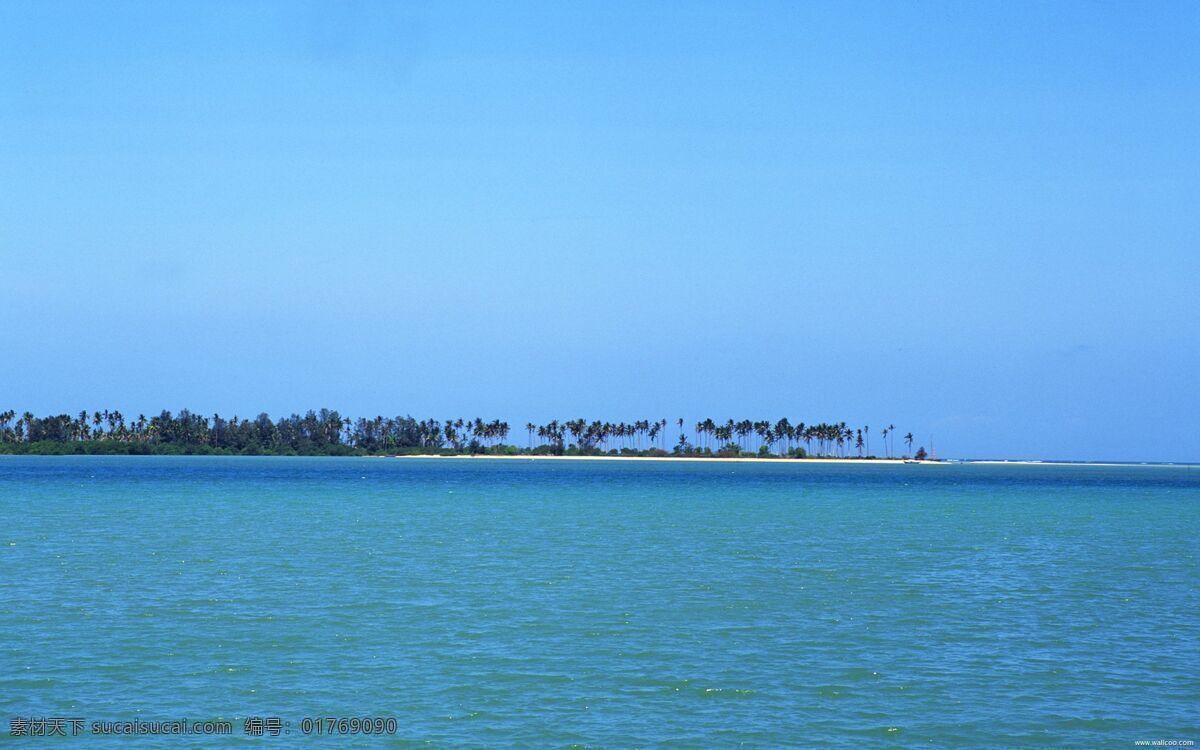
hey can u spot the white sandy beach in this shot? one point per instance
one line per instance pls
(678, 458)
(787, 461)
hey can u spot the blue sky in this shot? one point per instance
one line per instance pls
(976, 221)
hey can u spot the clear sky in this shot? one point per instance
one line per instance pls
(976, 221)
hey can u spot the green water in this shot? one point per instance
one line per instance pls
(604, 604)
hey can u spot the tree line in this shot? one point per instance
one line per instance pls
(327, 432)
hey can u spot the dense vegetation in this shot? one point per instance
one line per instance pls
(327, 432)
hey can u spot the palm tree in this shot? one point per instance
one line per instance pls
(783, 429)
(318, 432)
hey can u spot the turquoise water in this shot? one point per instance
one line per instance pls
(605, 604)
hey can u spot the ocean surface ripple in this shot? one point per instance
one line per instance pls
(606, 604)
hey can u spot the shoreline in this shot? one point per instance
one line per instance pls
(790, 461)
(748, 459)
(745, 459)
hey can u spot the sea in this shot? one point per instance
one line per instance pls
(366, 602)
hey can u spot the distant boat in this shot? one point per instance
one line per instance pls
(911, 461)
